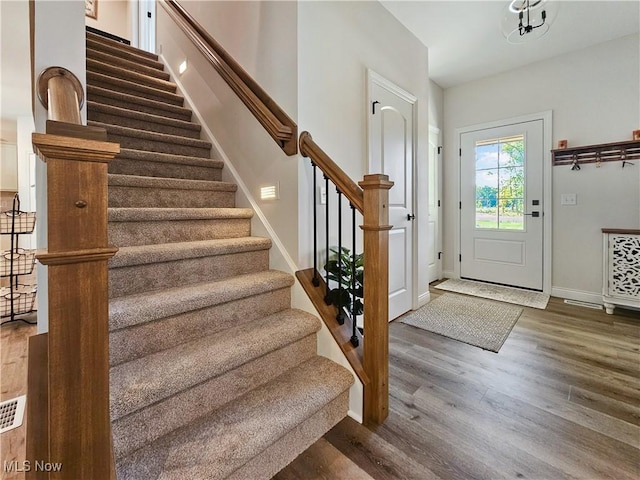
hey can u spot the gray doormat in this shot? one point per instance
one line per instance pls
(526, 298)
(482, 323)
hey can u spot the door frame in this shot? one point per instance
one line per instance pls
(546, 117)
(439, 166)
(374, 78)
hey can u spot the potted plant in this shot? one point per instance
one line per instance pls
(344, 274)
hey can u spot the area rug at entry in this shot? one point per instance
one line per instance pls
(482, 323)
(526, 298)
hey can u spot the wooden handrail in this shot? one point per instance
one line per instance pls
(309, 148)
(69, 365)
(370, 360)
(273, 118)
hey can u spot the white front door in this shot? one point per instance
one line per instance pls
(501, 205)
(391, 152)
(434, 250)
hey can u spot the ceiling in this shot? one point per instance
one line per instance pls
(465, 38)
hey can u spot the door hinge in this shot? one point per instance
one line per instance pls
(460, 151)
(460, 257)
(439, 150)
(148, 14)
(438, 202)
(439, 255)
(460, 205)
(373, 107)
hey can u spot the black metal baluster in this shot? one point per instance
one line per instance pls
(315, 281)
(354, 316)
(327, 299)
(340, 315)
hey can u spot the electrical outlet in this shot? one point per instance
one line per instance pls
(568, 199)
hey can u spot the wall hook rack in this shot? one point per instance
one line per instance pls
(598, 154)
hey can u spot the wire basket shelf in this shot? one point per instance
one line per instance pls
(23, 297)
(23, 262)
(24, 222)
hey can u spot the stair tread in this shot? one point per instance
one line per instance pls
(97, 66)
(166, 252)
(157, 69)
(130, 310)
(144, 381)
(94, 90)
(94, 37)
(129, 86)
(151, 136)
(129, 153)
(142, 214)
(147, 117)
(115, 179)
(223, 441)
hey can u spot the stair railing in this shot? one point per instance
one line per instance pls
(68, 381)
(368, 353)
(273, 118)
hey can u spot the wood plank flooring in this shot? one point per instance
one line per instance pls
(561, 400)
(13, 383)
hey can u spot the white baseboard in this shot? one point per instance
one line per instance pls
(579, 295)
(448, 274)
(423, 299)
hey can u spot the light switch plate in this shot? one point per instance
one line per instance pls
(568, 199)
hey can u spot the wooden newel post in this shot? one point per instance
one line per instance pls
(78, 337)
(376, 296)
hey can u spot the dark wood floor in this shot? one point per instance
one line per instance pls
(560, 400)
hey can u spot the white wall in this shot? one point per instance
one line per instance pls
(436, 105)
(338, 42)
(114, 16)
(262, 37)
(595, 97)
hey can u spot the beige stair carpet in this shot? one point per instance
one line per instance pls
(213, 374)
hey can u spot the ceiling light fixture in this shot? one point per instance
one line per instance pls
(526, 20)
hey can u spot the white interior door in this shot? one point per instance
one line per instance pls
(391, 152)
(147, 25)
(434, 249)
(501, 205)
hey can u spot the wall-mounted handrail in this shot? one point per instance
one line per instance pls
(309, 148)
(69, 365)
(273, 118)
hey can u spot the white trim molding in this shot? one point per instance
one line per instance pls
(579, 295)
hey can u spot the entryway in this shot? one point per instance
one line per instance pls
(502, 204)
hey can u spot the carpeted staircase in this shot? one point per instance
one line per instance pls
(213, 375)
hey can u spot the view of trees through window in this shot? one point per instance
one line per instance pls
(500, 183)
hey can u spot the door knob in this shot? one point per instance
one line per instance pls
(410, 216)
(533, 214)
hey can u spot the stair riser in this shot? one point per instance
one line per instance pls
(136, 143)
(155, 71)
(130, 88)
(124, 234)
(142, 124)
(169, 198)
(135, 342)
(96, 43)
(154, 276)
(161, 109)
(137, 429)
(129, 166)
(280, 454)
(130, 76)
